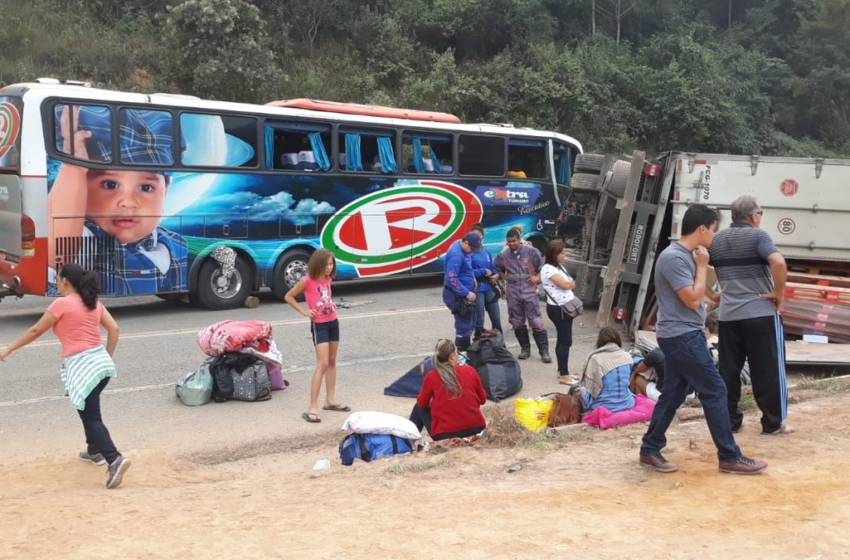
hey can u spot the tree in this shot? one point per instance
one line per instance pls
(220, 50)
(619, 9)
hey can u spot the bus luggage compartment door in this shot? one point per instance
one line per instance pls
(11, 218)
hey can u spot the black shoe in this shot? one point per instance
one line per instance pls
(743, 465)
(658, 462)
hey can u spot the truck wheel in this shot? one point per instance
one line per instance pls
(217, 291)
(288, 271)
(608, 212)
(619, 178)
(590, 163)
(585, 182)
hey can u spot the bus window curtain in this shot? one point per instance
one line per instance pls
(435, 159)
(418, 164)
(319, 152)
(352, 153)
(385, 151)
(562, 168)
(269, 133)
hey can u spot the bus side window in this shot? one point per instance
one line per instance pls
(218, 140)
(94, 119)
(367, 150)
(481, 155)
(302, 146)
(425, 153)
(563, 164)
(146, 137)
(527, 159)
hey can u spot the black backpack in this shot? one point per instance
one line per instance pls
(498, 369)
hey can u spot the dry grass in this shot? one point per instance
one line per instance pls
(408, 467)
(828, 385)
(503, 429)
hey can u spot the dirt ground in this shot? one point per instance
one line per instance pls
(580, 493)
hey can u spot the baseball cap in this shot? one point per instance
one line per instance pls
(474, 241)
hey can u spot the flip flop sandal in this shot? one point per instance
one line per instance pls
(337, 407)
(311, 417)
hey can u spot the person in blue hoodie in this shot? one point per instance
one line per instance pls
(459, 287)
(486, 298)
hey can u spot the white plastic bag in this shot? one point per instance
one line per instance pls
(371, 422)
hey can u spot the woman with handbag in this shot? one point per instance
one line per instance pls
(487, 292)
(559, 292)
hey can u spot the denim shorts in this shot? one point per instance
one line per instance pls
(325, 332)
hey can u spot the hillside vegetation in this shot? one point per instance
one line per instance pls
(737, 76)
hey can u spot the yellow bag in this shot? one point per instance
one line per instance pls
(533, 413)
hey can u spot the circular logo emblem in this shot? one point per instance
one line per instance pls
(401, 227)
(786, 226)
(10, 126)
(789, 187)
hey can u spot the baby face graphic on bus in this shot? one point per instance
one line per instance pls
(108, 219)
(125, 204)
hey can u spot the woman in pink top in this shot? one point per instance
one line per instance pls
(324, 326)
(76, 318)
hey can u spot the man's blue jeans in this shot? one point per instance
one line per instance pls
(487, 301)
(688, 362)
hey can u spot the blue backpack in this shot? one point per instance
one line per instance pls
(371, 447)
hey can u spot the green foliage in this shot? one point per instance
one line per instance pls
(219, 49)
(739, 76)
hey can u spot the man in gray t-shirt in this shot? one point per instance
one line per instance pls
(751, 272)
(680, 285)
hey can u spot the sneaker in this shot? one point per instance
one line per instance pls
(736, 430)
(781, 430)
(96, 459)
(658, 462)
(116, 471)
(743, 465)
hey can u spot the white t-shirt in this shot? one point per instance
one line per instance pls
(555, 295)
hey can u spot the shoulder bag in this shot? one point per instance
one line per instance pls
(566, 410)
(572, 308)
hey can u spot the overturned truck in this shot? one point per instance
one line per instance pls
(623, 211)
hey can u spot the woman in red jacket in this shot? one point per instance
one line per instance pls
(448, 405)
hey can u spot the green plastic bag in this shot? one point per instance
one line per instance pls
(195, 388)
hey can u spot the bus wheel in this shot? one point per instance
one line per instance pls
(217, 291)
(288, 271)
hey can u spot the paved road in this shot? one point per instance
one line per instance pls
(388, 327)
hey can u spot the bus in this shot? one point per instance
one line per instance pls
(176, 196)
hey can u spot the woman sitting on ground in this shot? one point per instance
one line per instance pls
(605, 381)
(448, 406)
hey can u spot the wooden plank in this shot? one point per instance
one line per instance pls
(817, 288)
(797, 352)
(813, 279)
